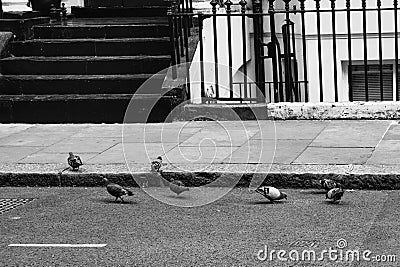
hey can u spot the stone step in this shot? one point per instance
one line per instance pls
(84, 108)
(100, 31)
(118, 11)
(80, 84)
(22, 28)
(88, 65)
(92, 47)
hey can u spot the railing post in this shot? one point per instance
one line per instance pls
(321, 85)
(243, 4)
(215, 34)
(1, 9)
(228, 5)
(303, 33)
(259, 49)
(274, 41)
(172, 37)
(349, 47)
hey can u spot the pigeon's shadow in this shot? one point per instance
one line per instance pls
(314, 192)
(177, 196)
(340, 203)
(264, 202)
(111, 201)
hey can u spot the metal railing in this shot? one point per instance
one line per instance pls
(290, 53)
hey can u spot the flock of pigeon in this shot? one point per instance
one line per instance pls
(334, 190)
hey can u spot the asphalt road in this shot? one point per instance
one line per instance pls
(233, 231)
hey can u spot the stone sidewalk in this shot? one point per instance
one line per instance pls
(293, 147)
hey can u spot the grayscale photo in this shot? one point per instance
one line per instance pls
(199, 133)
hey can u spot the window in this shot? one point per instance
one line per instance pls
(374, 87)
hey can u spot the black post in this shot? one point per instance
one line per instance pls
(378, 3)
(215, 34)
(396, 51)
(287, 54)
(334, 49)
(321, 87)
(364, 13)
(171, 38)
(1, 9)
(201, 55)
(228, 5)
(274, 41)
(303, 34)
(350, 70)
(243, 10)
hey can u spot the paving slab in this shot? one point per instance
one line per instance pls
(351, 134)
(131, 153)
(387, 152)
(83, 145)
(334, 155)
(269, 151)
(10, 154)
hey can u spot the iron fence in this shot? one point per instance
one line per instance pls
(295, 51)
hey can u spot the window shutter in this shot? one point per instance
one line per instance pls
(374, 90)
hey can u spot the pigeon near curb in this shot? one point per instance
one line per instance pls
(116, 190)
(74, 161)
(271, 193)
(335, 194)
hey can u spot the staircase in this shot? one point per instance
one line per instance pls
(87, 69)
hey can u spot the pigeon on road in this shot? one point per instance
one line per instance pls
(177, 187)
(271, 193)
(335, 194)
(116, 190)
(74, 161)
(156, 164)
(329, 184)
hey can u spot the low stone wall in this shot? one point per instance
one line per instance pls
(291, 111)
(332, 111)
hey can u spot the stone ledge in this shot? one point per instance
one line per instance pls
(331, 111)
(222, 112)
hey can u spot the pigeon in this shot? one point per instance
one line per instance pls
(74, 161)
(271, 193)
(116, 190)
(328, 184)
(177, 187)
(156, 164)
(335, 194)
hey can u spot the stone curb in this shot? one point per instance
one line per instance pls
(288, 176)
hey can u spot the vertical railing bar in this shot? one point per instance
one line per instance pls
(364, 18)
(287, 52)
(200, 17)
(180, 28)
(271, 12)
(187, 63)
(243, 10)
(172, 39)
(349, 47)
(296, 77)
(321, 88)
(177, 42)
(214, 11)
(396, 50)
(335, 74)
(228, 4)
(378, 3)
(303, 33)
